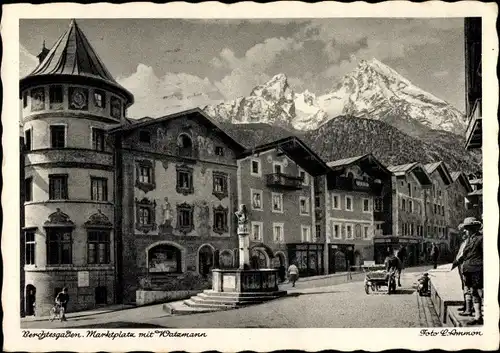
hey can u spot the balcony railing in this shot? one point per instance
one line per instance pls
(280, 180)
(352, 184)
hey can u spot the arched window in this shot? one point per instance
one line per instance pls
(164, 258)
(185, 145)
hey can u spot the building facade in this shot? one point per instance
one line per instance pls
(473, 84)
(67, 103)
(177, 178)
(357, 207)
(410, 182)
(276, 182)
(437, 208)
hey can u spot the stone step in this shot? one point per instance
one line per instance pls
(230, 302)
(179, 308)
(195, 304)
(245, 294)
(227, 298)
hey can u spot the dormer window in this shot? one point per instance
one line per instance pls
(56, 97)
(185, 146)
(115, 107)
(219, 151)
(99, 99)
(145, 137)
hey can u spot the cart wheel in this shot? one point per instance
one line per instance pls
(367, 289)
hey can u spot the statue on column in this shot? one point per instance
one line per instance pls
(244, 250)
(242, 216)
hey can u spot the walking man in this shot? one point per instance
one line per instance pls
(472, 268)
(293, 273)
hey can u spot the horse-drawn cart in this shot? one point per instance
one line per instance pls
(376, 277)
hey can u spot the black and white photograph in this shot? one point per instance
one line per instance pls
(239, 172)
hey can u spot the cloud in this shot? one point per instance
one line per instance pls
(158, 96)
(250, 70)
(27, 61)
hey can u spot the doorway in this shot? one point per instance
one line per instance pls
(101, 296)
(205, 260)
(30, 300)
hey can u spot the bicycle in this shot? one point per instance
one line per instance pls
(55, 312)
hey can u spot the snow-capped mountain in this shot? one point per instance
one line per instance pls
(270, 103)
(373, 90)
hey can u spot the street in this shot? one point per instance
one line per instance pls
(310, 304)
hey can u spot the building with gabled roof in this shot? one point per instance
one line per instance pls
(437, 207)
(409, 184)
(358, 209)
(277, 181)
(459, 206)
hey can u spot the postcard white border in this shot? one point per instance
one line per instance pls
(249, 339)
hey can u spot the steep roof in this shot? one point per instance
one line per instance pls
(196, 112)
(73, 58)
(462, 178)
(416, 168)
(402, 168)
(367, 162)
(295, 149)
(441, 168)
(345, 161)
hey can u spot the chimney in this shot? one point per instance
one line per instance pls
(43, 53)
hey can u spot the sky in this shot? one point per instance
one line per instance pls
(175, 64)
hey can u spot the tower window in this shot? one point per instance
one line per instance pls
(58, 187)
(28, 189)
(25, 99)
(59, 246)
(29, 247)
(99, 189)
(58, 136)
(56, 97)
(98, 247)
(27, 140)
(98, 139)
(99, 99)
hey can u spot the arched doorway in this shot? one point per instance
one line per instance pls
(30, 300)
(258, 259)
(280, 264)
(101, 295)
(185, 145)
(205, 259)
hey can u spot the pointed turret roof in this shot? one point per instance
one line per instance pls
(73, 58)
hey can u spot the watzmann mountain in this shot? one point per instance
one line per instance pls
(373, 91)
(371, 110)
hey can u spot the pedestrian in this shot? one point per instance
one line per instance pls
(472, 269)
(62, 300)
(293, 273)
(282, 273)
(458, 258)
(435, 255)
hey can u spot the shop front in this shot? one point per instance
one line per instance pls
(340, 257)
(384, 245)
(307, 257)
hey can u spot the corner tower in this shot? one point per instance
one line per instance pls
(68, 102)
